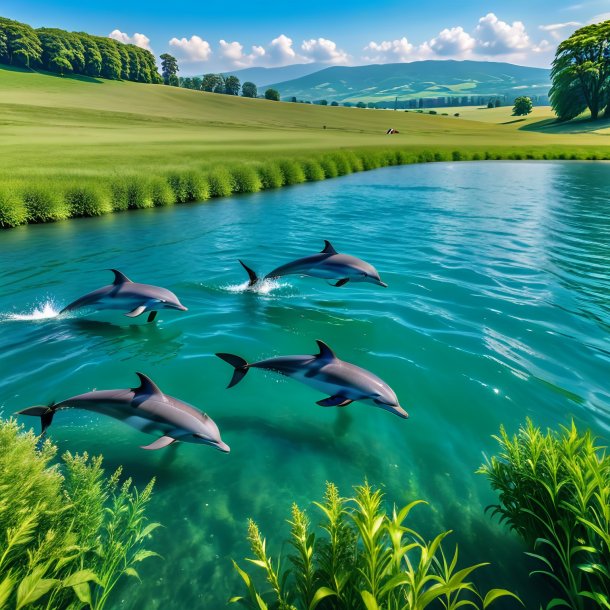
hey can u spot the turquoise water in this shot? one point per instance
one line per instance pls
(497, 308)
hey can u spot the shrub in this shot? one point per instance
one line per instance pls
(44, 204)
(354, 161)
(342, 163)
(68, 536)
(457, 114)
(139, 193)
(313, 170)
(292, 171)
(439, 156)
(271, 175)
(87, 200)
(161, 193)
(456, 155)
(221, 182)
(120, 195)
(245, 179)
(555, 493)
(432, 112)
(329, 167)
(360, 557)
(12, 209)
(188, 186)
(370, 160)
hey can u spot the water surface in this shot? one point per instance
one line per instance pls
(497, 309)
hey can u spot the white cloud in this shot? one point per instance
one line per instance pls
(495, 37)
(193, 48)
(454, 42)
(281, 53)
(599, 18)
(233, 53)
(400, 50)
(140, 40)
(324, 51)
(551, 27)
(544, 46)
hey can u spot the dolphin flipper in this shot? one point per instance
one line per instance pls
(138, 311)
(151, 316)
(335, 401)
(160, 443)
(341, 282)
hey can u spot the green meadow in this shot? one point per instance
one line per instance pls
(78, 146)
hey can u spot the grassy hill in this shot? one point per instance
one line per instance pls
(136, 145)
(417, 79)
(262, 77)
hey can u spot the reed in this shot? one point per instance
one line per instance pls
(87, 200)
(245, 179)
(554, 491)
(271, 175)
(360, 558)
(292, 171)
(44, 204)
(12, 208)
(220, 181)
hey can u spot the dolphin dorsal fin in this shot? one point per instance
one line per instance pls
(325, 352)
(328, 248)
(119, 278)
(147, 386)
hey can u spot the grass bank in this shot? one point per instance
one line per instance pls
(82, 147)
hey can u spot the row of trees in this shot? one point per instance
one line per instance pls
(581, 73)
(74, 52)
(228, 85)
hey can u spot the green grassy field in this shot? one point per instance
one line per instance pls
(78, 146)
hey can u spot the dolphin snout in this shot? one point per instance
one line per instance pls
(222, 447)
(180, 307)
(382, 283)
(400, 412)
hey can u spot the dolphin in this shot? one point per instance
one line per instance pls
(125, 294)
(327, 264)
(344, 382)
(145, 408)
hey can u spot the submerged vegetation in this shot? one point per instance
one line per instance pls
(555, 493)
(68, 532)
(362, 559)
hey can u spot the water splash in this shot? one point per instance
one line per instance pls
(42, 311)
(262, 287)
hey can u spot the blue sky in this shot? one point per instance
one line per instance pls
(220, 35)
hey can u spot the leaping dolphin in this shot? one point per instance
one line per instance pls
(145, 408)
(125, 294)
(327, 264)
(344, 382)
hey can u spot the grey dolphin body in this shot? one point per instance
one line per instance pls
(344, 382)
(327, 264)
(145, 408)
(127, 295)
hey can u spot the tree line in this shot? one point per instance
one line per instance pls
(228, 85)
(65, 52)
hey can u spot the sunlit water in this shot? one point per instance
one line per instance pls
(497, 308)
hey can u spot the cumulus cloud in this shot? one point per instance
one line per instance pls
(281, 53)
(400, 50)
(453, 42)
(600, 18)
(495, 37)
(140, 40)
(324, 51)
(193, 48)
(233, 54)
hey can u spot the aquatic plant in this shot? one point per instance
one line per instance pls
(364, 559)
(12, 209)
(68, 532)
(87, 200)
(313, 170)
(292, 171)
(220, 181)
(189, 186)
(329, 166)
(245, 179)
(271, 175)
(554, 492)
(161, 193)
(342, 163)
(44, 204)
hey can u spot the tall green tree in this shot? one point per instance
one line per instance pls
(581, 73)
(249, 89)
(272, 94)
(169, 69)
(232, 85)
(220, 84)
(19, 44)
(523, 105)
(196, 83)
(210, 82)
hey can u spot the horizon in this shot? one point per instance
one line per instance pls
(211, 39)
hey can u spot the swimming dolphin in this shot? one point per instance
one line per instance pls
(145, 408)
(125, 294)
(344, 382)
(327, 264)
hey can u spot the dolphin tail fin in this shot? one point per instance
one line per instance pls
(45, 414)
(240, 365)
(251, 274)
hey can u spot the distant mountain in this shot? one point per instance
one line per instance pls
(434, 78)
(262, 77)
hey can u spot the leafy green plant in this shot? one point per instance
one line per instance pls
(87, 200)
(12, 209)
(44, 204)
(292, 171)
(555, 493)
(245, 179)
(329, 166)
(271, 175)
(161, 192)
(220, 181)
(364, 559)
(313, 170)
(68, 532)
